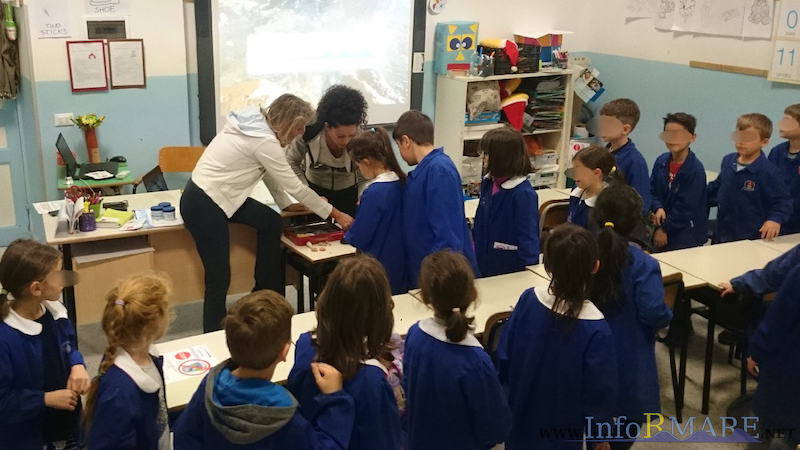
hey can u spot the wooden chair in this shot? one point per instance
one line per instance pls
(491, 332)
(179, 159)
(677, 337)
(551, 215)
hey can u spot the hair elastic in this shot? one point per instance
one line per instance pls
(456, 310)
(119, 302)
(609, 224)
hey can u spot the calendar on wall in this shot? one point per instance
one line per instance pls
(785, 66)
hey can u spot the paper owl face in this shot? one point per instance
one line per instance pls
(455, 44)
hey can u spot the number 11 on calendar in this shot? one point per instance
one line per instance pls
(786, 61)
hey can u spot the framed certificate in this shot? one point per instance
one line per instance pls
(87, 66)
(126, 58)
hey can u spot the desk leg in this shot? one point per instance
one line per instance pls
(69, 291)
(709, 361)
(301, 292)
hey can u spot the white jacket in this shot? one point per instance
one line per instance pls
(245, 152)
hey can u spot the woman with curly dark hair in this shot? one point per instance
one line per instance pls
(319, 157)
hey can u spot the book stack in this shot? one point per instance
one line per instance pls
(545, 109)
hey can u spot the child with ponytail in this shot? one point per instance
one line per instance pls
(42, 373)
(448, 377)
(126, 407)
(629, 291)
(555, 355)
(593, 168)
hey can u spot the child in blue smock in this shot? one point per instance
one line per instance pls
(556, 353)
(378, 228)
(785, 157)
(629, 291)
(678, 182)
(507, 221)
(766, 280)
(593, 168)
(775, 361)
(618, 119)
(237, 406)
(752, 197)
(433, 213)
(447, 374)
(42, 374)
(354, 327)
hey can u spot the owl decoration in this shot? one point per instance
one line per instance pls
(454, 46)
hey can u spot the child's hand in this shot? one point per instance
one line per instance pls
(727, 289)
(752, 367)
(79, 380)
(660, 238)
(65, 399)
(770, 230)
(329, 380)
(659, 217)
(602, 446)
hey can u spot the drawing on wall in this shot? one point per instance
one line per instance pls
(665, 14)
(638, 9)
(742, 18)
(686, 8)
(760, 13)
(758, 23)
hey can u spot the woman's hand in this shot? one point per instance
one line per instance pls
(344, 220)
(296, 208)
(79, 380)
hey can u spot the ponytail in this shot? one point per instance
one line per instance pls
(134, 314)
(615, 176)
(448, 286)
(613, 251)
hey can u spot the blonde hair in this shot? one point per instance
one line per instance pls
(286, 113)
(134, 311)
(758, 121)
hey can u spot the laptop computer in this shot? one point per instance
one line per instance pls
(79, 171)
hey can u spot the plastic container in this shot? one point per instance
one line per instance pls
(164, 204)
(157, 212)
(169, 213)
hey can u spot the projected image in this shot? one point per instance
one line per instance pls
(270, 47)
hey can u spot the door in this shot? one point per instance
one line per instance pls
(14, 221)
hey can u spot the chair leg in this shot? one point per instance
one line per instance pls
(743, 375)
(676, 388)
(682, 376)
(709, 360)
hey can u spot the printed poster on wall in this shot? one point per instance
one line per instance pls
(87, 66)
(50, 19)
(107, 7)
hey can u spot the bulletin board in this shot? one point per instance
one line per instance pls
(785, 67)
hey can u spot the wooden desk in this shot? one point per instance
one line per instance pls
(545, 195)
(718, 263)
(314, 265)
(782, 243)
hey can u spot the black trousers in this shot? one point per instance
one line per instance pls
(208, 225)
(344, 200)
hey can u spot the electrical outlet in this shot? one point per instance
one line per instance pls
(63, 120)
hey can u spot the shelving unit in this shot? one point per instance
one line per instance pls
(451, 132)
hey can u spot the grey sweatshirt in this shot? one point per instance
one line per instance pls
(309, 160)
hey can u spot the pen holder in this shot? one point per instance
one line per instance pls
(87, 222)
(96, 209)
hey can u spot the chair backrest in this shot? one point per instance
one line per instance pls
(179, 159)
(679, 304)
(491, 333)
(673, 285)
(552, 214)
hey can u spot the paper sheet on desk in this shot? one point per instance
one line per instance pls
(190, 362)
(143, 219)
(46, 207)
(99, 175)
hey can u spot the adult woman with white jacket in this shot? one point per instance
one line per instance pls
(249, 149)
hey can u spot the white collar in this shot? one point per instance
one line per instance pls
(124, 361)
(578, 193)
(436, 330)
(32, 327)
(376, 363)
(588, 312)
(386, 177)
(511, 183)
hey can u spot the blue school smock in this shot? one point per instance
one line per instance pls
(774, 346)
(377, 418)
(634, 168)
(507, 227)
(748, 198)
(769, 279)
(684, 201)
(126, 410)
(378, 228)
(207, 423)
(580, 208)
(634, 318)
(453, 396)
(433, 213)
(22, 375)
(557, 373)
(789, 168)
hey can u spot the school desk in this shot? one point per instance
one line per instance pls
(545, 195)
(407, 311)
(313, 264)
(782, 243)
(499, 294)
(689, 282)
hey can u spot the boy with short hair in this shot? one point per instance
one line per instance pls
(786, 158)
(433, 213)
(753, 200)
(678, 184)
(618, 119)
(238, 406)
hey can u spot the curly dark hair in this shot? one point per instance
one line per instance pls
(342, 105)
